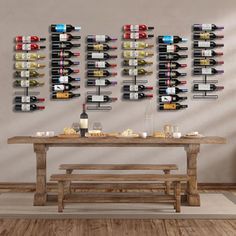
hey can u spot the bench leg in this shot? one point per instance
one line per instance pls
(167, 183)
(68, 183)
(177, 187)
(60, 196)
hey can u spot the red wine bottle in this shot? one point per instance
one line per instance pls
(99, 64)
(170, 82)
(170, 74)
(29, 39)
(63, 71)
(171, 106)
(63, 63)
(171, 48)
(206, 87)
(207, 71)
(206, 36)
(63, 37)
(99, 38)
(136, 88)
(28, 107)
(28, 47)
(171, 98)
(206, 44)
(171, 65)
(28, 99)
(99, 55)
(64, 45)
(140, 35)
(171, 90)
(83, 122)
(137, 28)
(99, 47)
(206, 53)
(61, 28)
(100, 82)
(206, 62)
(206, 27)
(64, 54)
(100, 73)
(171, 56)
(168, 39)
(136, 96)
(99, 98)
(64, 87)
(63, 79)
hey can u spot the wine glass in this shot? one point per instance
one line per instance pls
(97, 126)
(76, 126)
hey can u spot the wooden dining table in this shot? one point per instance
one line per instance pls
(42, 144)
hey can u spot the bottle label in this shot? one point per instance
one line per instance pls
(63, 79)
(133, 72)
(97, 98)
(130, 54)
(134, 35)
(133, 96)
(24, 83)
(63, 37)
(133, 88)
(25, 74)
(100, 38)
(25, 107)
(205, 87)
(59, 87)
(170, 48)
(204, 36)
(206, 53)
(206, 71)
(98, 47)
(100, 64)
(169, 106)
(60, 28)
(204, 44)
(26, 65)
(97, 55)
(133, 62)
(168, 39)
(133, 45)
(26, 56)
(62, 95)
(83, 123)
(98, 73)
(166, 99)
(206, 26)
(26, 39)
(100, 82)
(64, 63)
(204, 62)
(170, 90)
(134, 27)
(25, 99)
(26, 47)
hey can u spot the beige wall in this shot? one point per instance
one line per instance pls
(216, 163)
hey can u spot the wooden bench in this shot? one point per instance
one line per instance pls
(175, 198)
(166, 168)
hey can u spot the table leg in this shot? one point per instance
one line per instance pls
(40, 197)
(193, 197)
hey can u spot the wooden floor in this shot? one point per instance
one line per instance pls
(117, 227)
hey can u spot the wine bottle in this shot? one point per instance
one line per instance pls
(172, 106)
(28, 56)
(28, 74)
(100, 82)
(206, 53)
(99, 55)
(136, 88)
(171, 98)
(29, 39)
(137, 28)
(64, 95)
(28, 47)
(136, 72)
(63, 37)
(207, 36)
(170, 74)
(171, 56)
(99, 98)
(28, 99)
(64, 45)
(64, 54)
(206, 71)
(136, 62)
(28, 65)
(170, 82)
(27, 83)
(100, 73)
(168, 39)
(99, 64)
(206, 44)
(83, 122)
(136, 96)
(99, 47)
(28, 107)
(99, 38)
(140, 35)
(137, 54)
(206, 87)
(63, 63)
(136, 45)
(171, 65)
(206, 27)
(171, 48)
(64, 87)
(63, 79)
(62, 28)
(63, 71)
(171, 90)
(206, 62)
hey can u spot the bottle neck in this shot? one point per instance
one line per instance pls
(77, 54)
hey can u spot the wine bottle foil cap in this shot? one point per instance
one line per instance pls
(184, 40)
(77, 28)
